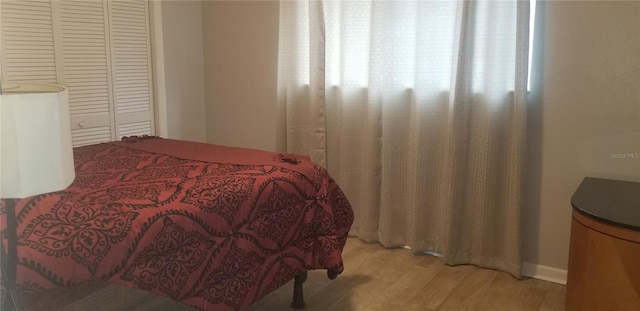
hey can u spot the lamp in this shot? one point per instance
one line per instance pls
(36, 154)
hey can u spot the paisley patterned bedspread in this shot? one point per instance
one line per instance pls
(214, 227)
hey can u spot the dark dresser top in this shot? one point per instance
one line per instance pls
(612, 201)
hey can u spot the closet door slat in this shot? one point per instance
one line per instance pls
(83, 28)
(27, 42)
(131, 56)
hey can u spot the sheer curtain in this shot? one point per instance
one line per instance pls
(417, 109)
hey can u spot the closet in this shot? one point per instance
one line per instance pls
(100, 50)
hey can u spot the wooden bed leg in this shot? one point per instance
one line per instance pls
(298, 295)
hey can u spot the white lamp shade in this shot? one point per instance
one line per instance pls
(36, 154)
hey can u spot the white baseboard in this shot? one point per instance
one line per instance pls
(544, 273)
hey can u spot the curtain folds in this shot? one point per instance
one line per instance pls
(301, 106)
(417, 109)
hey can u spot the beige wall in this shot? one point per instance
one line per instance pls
(183, 84)
(241, 59)
(589, 108)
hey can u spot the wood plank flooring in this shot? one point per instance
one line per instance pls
(375, 279)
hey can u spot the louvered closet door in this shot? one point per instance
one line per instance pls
(131, 56)
(82, 31)
(27, 41)
(99, 49)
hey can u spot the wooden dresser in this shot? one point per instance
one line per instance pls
(604, 256)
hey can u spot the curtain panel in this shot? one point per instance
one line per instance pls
(418, 109)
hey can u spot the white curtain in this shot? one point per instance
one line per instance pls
(417, 109)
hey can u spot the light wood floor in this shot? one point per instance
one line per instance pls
(375, 279)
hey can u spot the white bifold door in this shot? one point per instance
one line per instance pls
(99, 49)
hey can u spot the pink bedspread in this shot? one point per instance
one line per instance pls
(216, 228)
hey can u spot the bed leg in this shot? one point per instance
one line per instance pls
(298, 295)
(332, 274)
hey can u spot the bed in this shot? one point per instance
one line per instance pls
(213, 227)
